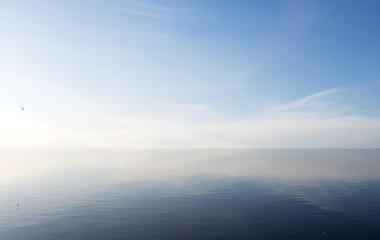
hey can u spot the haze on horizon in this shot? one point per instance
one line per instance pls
(189, 74)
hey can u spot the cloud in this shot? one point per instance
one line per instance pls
(292, 125)
(145, 19)
(143, 8)
(342, 132)
(308, 100)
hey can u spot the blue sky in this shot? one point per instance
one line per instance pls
(263, 74)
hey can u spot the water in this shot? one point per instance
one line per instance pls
(189, 194)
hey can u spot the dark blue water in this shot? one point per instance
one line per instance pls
(189, 194)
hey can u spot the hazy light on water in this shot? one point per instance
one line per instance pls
(81, 194)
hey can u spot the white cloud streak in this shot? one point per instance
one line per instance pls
(142, 8)
(307, 100)
(192, 126)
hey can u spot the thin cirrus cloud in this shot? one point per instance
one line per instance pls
(141, 8)
(314, 121)
(142, 19)
(308, 100)
(178, 127)
(297, 124)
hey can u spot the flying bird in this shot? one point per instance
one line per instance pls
(22, 108)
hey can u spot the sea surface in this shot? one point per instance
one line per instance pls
(189, 194)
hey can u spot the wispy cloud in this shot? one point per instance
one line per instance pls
(144, 8)
(288, 126)
(312, 99)
(342, 132)
(145, 19)
(190, 126)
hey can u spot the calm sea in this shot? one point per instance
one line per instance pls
(189, 194)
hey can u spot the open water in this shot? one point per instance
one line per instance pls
(189, 194)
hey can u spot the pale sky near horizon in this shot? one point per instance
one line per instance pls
(190, 74)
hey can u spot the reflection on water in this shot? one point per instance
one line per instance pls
(189, 194)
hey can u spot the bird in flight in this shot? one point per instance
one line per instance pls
(22, 108)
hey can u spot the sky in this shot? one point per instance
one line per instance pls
(189, 74)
